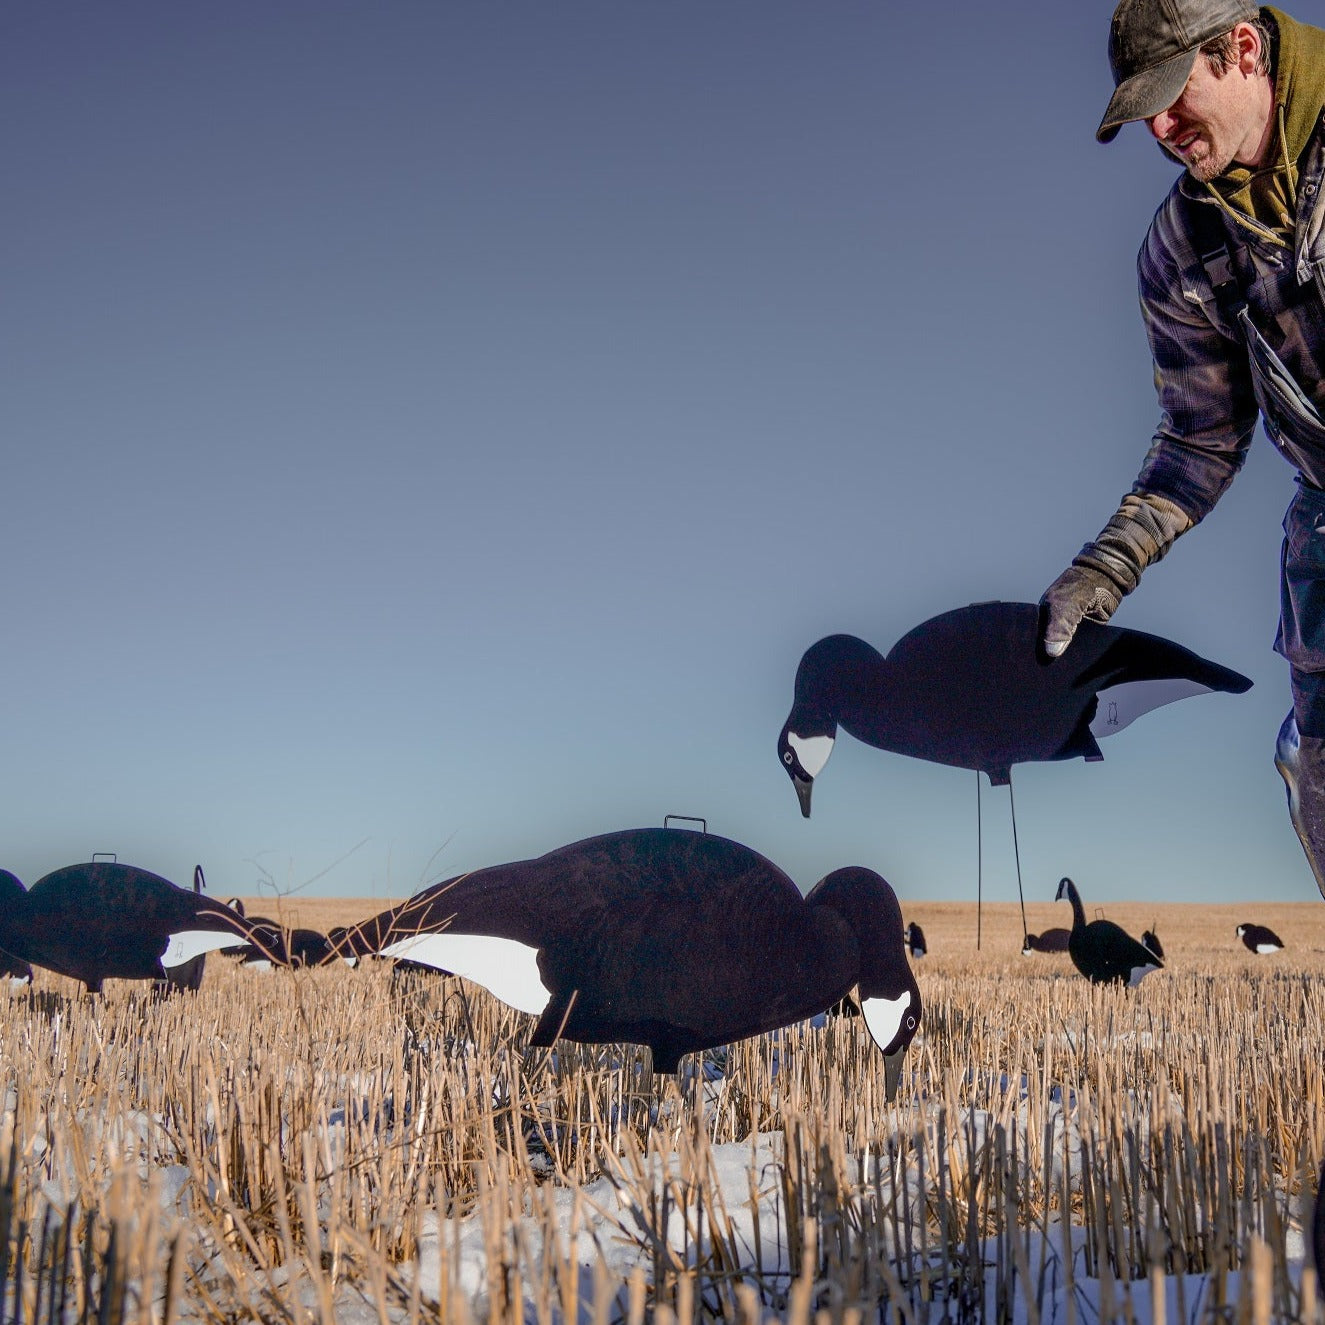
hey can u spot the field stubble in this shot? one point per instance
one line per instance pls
(378, 1146)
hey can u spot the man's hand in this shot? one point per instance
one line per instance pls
(1141, 531)
(1079, 592)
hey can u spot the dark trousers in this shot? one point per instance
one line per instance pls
(1301, 637)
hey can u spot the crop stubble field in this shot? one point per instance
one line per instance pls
(379, 1146)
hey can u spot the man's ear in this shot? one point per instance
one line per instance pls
(1248, 40)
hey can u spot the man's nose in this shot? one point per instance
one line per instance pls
(1161, 125)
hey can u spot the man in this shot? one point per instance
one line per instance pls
(1232, 284)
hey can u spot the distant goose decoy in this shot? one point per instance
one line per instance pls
(280, 945)
(915, 940)
(670, 938)
(1052, 940)
(1103, 952)
(13, 969)
(103, 921)
(1259, 939)
(973, 688)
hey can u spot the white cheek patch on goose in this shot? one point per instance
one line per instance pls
(1121, 705)
(884, 1016)
(190, 943)
(812, 751)
(504, 967)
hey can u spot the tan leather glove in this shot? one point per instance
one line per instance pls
(1141, 531)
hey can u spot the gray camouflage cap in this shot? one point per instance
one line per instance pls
(1152, 48)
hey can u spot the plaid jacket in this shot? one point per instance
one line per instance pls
(1202, 372)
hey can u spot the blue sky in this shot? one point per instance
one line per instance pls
(434, 431)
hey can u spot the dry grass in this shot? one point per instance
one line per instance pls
(290, 1146)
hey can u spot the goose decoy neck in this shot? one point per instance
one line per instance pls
(889, 996)
(868, 905)
(1067, 890)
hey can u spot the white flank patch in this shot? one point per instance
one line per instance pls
(1139, 973)
(884, 1016)
(812, 751)
(190, 943)
(504, 967)
(17, 983)
(1122, 704)
(1267, 947)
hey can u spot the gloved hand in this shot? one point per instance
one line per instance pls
(1141, 531)
(1080, 592)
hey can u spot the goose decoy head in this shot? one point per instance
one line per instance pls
(1028, 945)
(803, 753)
(892, 1024)
(886, 989)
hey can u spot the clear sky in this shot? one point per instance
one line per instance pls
(431, 432)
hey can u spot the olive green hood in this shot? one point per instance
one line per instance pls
(1268, 193)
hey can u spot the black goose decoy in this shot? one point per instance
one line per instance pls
(104, 920)
(915, 940)
(974, 689)
(1150, 940)
(1052, 940)
(281, 945)
(675, 939)
(1259, 939)
(14, 970)
(1103, 952)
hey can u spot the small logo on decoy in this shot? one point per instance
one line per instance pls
(1112, 719)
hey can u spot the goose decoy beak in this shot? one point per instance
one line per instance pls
(892, 1023)
(804, 790)
(892, 1073)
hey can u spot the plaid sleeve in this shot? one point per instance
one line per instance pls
(1207, 405)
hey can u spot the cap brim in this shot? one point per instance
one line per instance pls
(1147, 93)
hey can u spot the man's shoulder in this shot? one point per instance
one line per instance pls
(1168, 244)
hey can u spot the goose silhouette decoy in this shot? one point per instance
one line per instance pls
(280, 945)
(104, 920)
(915, 940)
(1103, 952)
(1259, 939)
(670, 938)
(973, 688)
(1052, 940)
(15, 971)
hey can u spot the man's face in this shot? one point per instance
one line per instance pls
(1215, 121)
